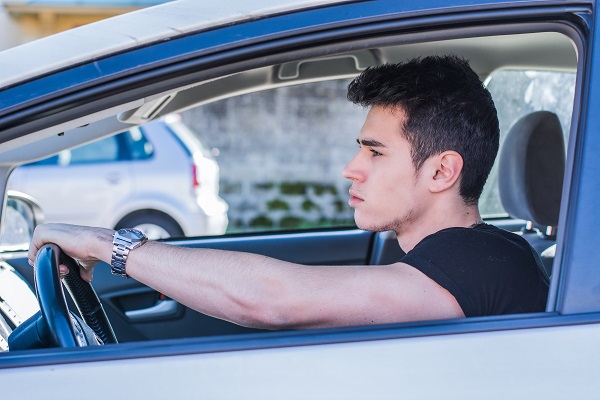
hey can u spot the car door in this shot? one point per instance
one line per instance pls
(549, 355)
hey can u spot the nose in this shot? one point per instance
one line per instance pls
(353, 170)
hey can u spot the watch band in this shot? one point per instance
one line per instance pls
(124, 240)
(119, 259)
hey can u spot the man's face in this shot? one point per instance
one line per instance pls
(386, 192)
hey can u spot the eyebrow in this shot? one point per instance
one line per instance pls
(370, 143)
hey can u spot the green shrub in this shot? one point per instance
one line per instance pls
(308, 205)
(278, 204)
(264, 186)
(291, 222)
(321, 189)
(261, 221)
(293, 188)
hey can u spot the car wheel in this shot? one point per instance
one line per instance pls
(155, 226)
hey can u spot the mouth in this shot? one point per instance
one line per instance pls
(355, 199)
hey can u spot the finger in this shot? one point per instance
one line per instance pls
(31, 253)
(63, 269)
(34, 246)
(85, 274)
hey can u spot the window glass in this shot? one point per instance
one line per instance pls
(100, 151)
(46, 161)
(517, 93)
(139, 147)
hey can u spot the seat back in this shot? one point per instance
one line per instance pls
(530, 177)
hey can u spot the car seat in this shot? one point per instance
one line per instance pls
(530, 177)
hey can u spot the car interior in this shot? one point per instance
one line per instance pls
(531, 162)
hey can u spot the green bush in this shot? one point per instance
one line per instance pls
(261, 221)
(293, 188)
(321, 189)
(340, 205)
(308, 205)
(278, 204)
(291, 222)
(264, 186)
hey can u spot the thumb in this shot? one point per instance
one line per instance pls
(86, 269)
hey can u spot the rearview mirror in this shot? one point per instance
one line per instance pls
(21, 216)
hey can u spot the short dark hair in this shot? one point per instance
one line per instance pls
(447, 108)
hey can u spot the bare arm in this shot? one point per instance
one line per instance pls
(263, 292)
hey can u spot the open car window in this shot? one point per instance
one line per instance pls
(276, 156)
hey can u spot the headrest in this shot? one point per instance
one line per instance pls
(532, 166)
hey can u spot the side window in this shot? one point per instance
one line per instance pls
(517, 93)
(129, 145)
(281, 154)
(139, 147)
(54, 160)
(104, 150)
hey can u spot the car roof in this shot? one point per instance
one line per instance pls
(134, 29)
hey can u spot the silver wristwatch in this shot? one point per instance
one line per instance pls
(124, 241)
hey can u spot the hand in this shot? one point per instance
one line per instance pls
(87, 245)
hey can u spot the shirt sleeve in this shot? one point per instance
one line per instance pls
(488, 273)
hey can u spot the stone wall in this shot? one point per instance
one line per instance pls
(281, 154)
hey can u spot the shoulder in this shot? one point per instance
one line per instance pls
(476, 264)
(483, 238)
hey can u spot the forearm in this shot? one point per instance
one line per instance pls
(229, 285)
(238, 287)
(254, 290)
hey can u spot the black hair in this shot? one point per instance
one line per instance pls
(447, 108)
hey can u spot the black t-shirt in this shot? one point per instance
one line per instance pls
(488, 270)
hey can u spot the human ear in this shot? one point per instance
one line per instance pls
(448, 166)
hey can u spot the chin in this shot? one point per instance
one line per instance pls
(371, 224)
(367, 226)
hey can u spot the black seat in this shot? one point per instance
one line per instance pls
(530, 177)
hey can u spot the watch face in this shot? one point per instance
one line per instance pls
(131, 234)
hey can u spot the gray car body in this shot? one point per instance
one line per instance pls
(113, 191)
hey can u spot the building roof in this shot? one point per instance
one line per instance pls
(85, 3)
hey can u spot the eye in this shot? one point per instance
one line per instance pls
(375, 153)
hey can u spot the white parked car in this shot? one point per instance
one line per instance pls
(158, 177)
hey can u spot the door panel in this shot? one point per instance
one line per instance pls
(138, 312)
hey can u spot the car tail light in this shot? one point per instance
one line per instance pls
(195, 181)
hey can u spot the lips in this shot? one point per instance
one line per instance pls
(355, 199)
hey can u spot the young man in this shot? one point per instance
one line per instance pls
(426, 149)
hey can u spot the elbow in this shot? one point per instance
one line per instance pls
(267, 313)
(271, 307)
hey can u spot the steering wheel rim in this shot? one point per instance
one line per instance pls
(53, 305)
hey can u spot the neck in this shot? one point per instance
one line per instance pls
(462, 216)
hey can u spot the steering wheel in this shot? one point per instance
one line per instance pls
(62, 328)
